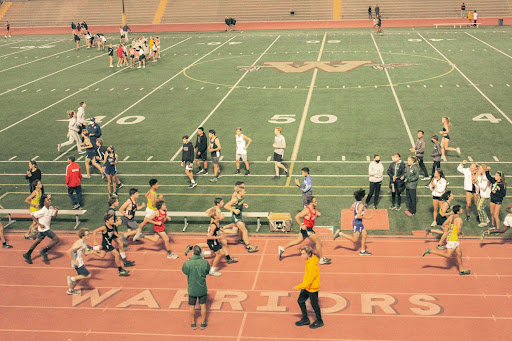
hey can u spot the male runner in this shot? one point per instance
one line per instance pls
(309, 215)
(108, 235)
(113, 202)
(241, 150)
(76, 253)
(279, 146)
(236, 206)
(128, 210)
(158, 218)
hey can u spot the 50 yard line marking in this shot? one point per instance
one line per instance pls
(469, 80)
(394, 94)
(304, 114)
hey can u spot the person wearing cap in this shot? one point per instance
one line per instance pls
(196, 268)
(93, 130)
(74, 182)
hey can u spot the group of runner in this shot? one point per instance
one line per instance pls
(140, 51)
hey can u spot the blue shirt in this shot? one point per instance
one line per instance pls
(307, 185)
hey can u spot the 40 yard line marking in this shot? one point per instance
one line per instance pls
(469, 80)
(394, 94)
(503, 53)
(304, 114)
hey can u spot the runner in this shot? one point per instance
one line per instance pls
(5, 245)
(201, 149)
(187, 160)
(455, 228)
(33, 201)
(112, 204)
(309, 215)
(72, 133)
(279, 146)
(217, 243)
(109, 168)
(236, 206)
(214, 148)
(158, 219)
(128, 210)
(445, 141)
(90, 152)
(241, 150)
(76, 253)
(442, 215)
(43, 219)
(110, 54)
(469, 185)
(76, 37)
(108, 235)
(507, 223)
(498, 193)
(357, 223)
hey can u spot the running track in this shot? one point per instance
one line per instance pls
(394, 295)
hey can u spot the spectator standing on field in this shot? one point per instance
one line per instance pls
(196, 268)
(126, 28)
(201, 151)
(436, 156)
(463, 10)
(475, 17)
(470, 15)
(33, 174)
(396, 172)
(419, 150)
(370, 12)
(74, 182)
(375, 172)
(377, 10)
(412, 175)
(306, 187)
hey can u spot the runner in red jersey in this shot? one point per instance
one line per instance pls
(309, 215)
(158, 219)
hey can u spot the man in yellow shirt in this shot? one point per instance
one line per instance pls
(309, 289)
(454, 224)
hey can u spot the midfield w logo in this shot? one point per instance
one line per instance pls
(300, 67)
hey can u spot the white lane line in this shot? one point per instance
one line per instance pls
(503, 53)
(364, 176)
(470, 159)
(80, 158)
(221, 158)
(126, 158)
(12, 158)
(225, 96)
(302, 124)
(51, 74)
(35, 157)
(149, 158)
(496, 159)
(55, 103)
(268, 159)
(343, 158)
(469, 80)
(16, 66)
(14, 42)
(394, 94)
(24, 50)
(367, 158)
(318, 158)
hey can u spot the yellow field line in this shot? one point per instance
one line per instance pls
(160, 11)
(3, 9)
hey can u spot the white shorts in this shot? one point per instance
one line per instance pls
(149, 212)
(452, 245)
(240, 156)
(189, 166)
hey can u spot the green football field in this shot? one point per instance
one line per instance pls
(340, 96)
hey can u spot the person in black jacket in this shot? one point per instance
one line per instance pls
(187, 159)
(33, 174)
(201, 150)
(227, 21)
(396, 172)
(498, 193)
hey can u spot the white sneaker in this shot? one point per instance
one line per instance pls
(111, 65)
(434, 224)
(458, 151)
(482, 225)
(280, 251)
(86, 176)
(137, 236)
(70, 282)
(82, 152)
(172, 256)
(324, 260)
(425, 178)
(444, 158)
(214, 273)
(139, 67)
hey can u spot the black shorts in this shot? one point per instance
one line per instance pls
(142, 57)
(77, 38)
(307, 232)
(111, 54)
(193, 299)
(90, 153)
(440, 220)
(82, 271)
(214, 245)
(278, 157)
(203, 156)
(106, 245)
(496, 202)
(132, 56)
(49, 233)
(446, 137)
(122, 36)
(436, 198)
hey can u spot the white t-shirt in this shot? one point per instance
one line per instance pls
(475, 15)
(240, 144)
(80, 115)
(484, 186)
(44, 216)
(78, 254)
(508, 220)
(279, 140)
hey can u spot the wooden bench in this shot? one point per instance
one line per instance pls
(186, 215)
(460, 24)
(25, 213)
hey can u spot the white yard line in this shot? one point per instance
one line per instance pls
(55, 103)
(224, 98)
(302, 124)
(394, 94)
(503, 53)
(469, 80)
(33, 61)
(24, 50)
(51, 74)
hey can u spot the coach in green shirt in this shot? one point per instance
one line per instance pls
(196, 269)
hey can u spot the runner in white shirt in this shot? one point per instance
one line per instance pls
(241, 150)
(72, 134)
(507, 223)
(76, 253)
(43, 218)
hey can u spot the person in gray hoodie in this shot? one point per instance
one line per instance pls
(412, 175)
(436, 156)
(419, 151)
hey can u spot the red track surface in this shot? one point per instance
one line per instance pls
(262, 25)
(424, 298)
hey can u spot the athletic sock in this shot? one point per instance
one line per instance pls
(212, 269)
(120, 268)
(123, 255)
(192, 181)
(228, 257)
(96, 248)
(72, 279)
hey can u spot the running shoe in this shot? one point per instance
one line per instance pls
(409, 213)
(70, 282)
(188, 249)
(364, 253)
(27, 257)
(458, 151)
(44, 255)
(468, 218)
(440, 247)
(392, 207)
(200, 171)
(324, 260)
(121, 185)
(204, 325)
(337, 234)
(275, 177)
(171, 255)
(427, 251)
(128, 263)
(193, 326)
(465, 272)
(73, 292)
(316, 324)
(86, 176)
(241, 241)
(124, 273)
(7, 246)
(237, 172)
(232, 260)
(137, 235)
(192, 185)
(434, 224)
(287, 173)
(398, 208)
(482, 225)
(303, 322)
(58, 147)
(374, 207)
(248, 172)
(214, 179)
(425, 178)
(252, 249)
(280, 251)
(214, 273)
(427, 231)
(482, 236)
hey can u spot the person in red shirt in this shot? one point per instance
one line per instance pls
(74, 182)
(158, 219)
(120, 55)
